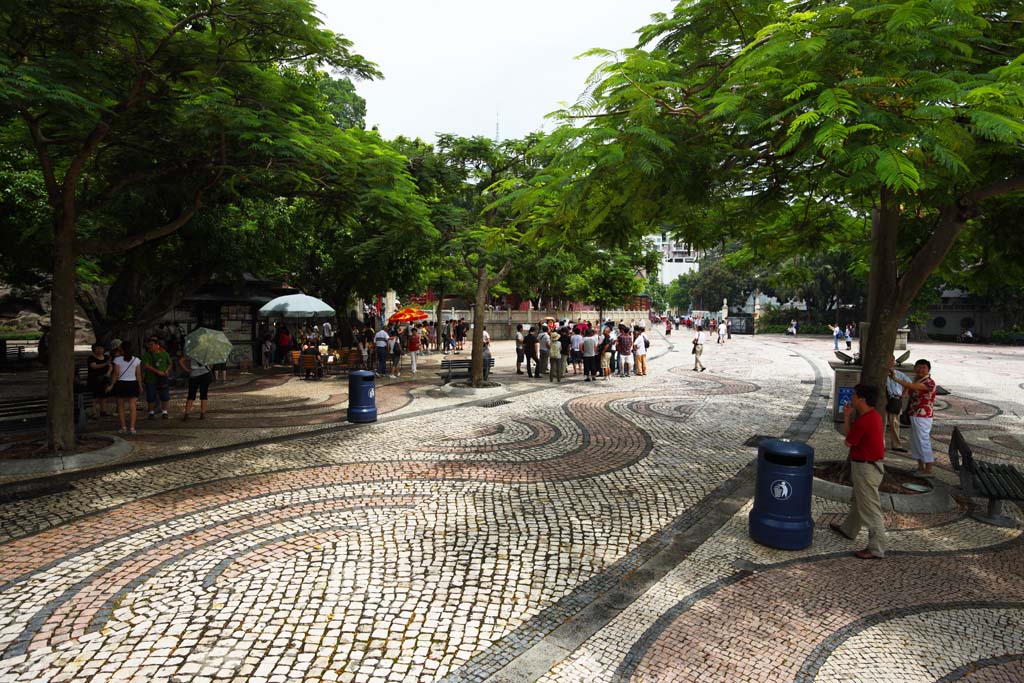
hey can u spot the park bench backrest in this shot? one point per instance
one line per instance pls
(960, 454)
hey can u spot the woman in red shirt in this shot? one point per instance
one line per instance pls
(922, 401)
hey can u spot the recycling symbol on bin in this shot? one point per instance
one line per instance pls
(371, 392)
(781, 489)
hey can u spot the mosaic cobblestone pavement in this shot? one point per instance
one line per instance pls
(573, 532)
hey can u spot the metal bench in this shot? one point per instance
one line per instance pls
(29, 414)
(986, 480)
(459, 368)
(13, 355)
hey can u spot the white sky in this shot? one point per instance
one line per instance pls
(456, 66)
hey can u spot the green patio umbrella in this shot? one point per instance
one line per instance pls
(209, 347)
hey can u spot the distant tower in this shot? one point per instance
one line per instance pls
(497, 127)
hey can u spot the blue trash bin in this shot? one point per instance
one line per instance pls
(362, 401)
(781, 517)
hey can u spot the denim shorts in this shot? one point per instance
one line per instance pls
(155, 392)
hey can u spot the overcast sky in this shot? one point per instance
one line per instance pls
(457, 66)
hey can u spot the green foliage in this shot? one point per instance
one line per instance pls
(608, 283)
(785, 125)
(10, 333)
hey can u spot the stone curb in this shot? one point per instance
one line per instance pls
(117, 449)
(936, 500)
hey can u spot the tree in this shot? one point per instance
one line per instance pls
(904, 115)
(114, 96)
(612, 279)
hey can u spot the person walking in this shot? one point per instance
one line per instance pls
(699, 339)
(721, 331)
(199, 379)
(920, 406)
(849, 337)
(894, 405)
(126, 373)
(867, 450)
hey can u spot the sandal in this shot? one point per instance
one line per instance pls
(866, 555)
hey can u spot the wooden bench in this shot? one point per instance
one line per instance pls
(345, 360)
(461, 367)
(310, 365)
(986, 480)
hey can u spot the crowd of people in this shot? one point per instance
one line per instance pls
(549, 351)
(116, 373)
(381, 349)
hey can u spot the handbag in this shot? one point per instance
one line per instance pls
(892, 406)
(905, 417)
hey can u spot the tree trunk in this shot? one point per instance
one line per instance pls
(483, 285)
(60, 403)
(883, 296)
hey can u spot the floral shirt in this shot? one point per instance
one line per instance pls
(921, 402)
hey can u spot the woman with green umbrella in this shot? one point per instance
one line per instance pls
(203, 348)
(199, 379)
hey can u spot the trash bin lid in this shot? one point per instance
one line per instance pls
(361, 373)
(786, 447)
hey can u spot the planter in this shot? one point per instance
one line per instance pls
(117, 450)
(935, 500)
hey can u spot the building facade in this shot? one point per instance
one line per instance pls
(677, 258)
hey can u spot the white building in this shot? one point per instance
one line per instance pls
(677, 258)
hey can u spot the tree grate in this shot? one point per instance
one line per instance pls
(30, 490)
(495, 404)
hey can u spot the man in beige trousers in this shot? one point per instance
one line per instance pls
(866, 439)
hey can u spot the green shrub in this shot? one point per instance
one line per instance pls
(8, 333)
(1014, 335)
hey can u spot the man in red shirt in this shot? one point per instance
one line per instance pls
(866, 439)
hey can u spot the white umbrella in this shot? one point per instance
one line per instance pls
(296, 306)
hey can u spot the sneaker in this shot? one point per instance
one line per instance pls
(132, 432)
(122, 430)
(393, 376)
(151, 416)
(165, 416)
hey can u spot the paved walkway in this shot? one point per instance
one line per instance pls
(582, 532)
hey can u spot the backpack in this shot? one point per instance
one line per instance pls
(556, 349)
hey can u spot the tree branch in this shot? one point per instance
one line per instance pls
(952, 219)
(97, 247)
(52, 189)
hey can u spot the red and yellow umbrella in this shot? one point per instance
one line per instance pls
(408, 315)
